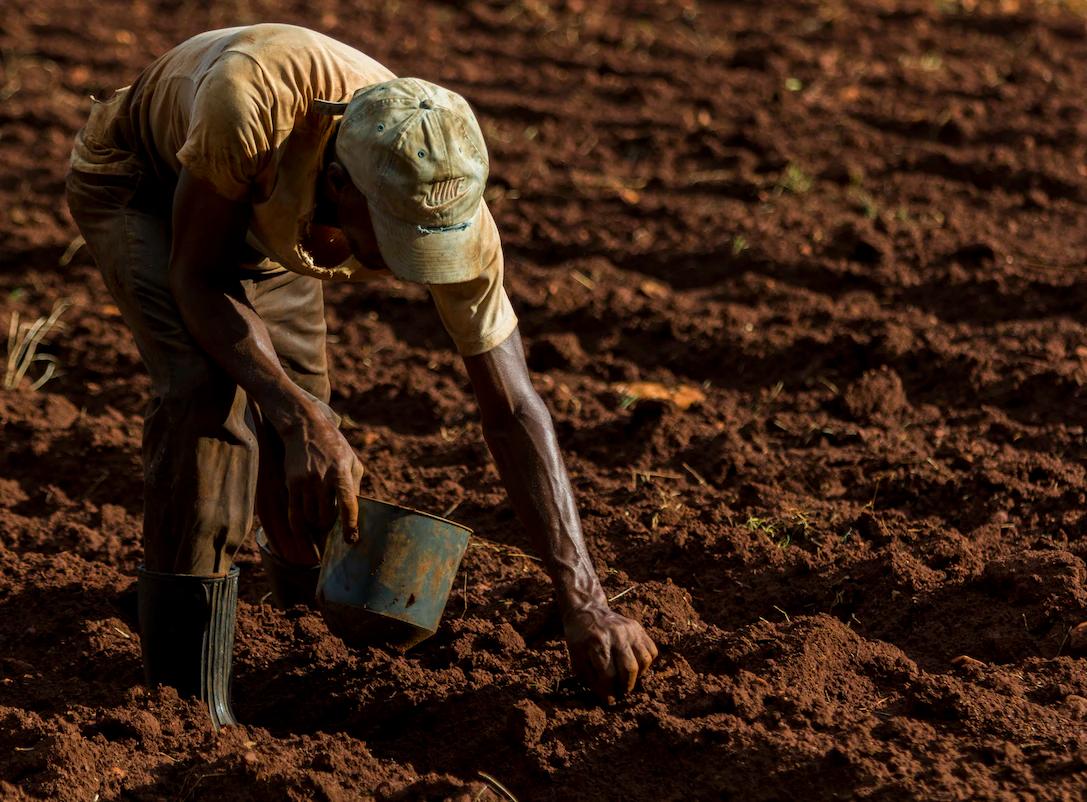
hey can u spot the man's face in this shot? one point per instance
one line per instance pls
(354, 218)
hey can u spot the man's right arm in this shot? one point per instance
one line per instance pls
(322, 469)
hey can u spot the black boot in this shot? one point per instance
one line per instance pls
(187, 636)
(291, 584)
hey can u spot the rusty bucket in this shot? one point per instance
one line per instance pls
(390, 587)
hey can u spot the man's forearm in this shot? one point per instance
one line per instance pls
(234, 336)
(207, 229)
(607, 650)
(524, 446)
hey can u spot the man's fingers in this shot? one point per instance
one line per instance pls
(326, 508)
(591, 664)
(583, 667)
(604, 689)
(613, 659)
(626, 669)
(652, 647)
(349, 510)
(603, 672)
(644, 656)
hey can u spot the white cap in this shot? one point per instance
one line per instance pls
(416, 152)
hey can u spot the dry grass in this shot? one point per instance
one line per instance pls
(23, 340)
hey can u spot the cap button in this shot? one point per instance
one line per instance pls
(425, 103)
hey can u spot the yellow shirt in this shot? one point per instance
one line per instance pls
(235, 107)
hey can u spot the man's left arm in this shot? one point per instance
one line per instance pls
(608, 651)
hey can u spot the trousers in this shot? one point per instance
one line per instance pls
(210, 459)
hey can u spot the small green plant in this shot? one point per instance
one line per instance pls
(800, 521)
(795, 180)
(739, 244)
(763, 525)
(794, 525)
(865, 201)
(930, 62)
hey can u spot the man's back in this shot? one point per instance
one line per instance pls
(249, 84)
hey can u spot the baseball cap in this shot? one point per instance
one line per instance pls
(416, 152)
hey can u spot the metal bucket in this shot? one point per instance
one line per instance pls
(391, 586)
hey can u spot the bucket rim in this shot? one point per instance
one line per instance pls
(415, 511)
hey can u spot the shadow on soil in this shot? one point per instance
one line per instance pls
(81, 650)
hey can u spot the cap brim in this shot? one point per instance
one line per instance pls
(429, 256)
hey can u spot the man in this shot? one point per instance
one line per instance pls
(238, 171)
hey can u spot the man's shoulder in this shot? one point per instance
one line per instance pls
(290, 51)
(268, 39)
(284, 68)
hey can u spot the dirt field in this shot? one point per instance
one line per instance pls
(856, 229)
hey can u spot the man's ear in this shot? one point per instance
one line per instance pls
(338, 179)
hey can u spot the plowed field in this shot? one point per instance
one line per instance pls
(851, 236)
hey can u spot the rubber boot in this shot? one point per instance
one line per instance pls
(291, 584)
(187, 636)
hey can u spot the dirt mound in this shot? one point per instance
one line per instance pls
(876, 394)
(849, 235)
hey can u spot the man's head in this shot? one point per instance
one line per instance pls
(408, 179)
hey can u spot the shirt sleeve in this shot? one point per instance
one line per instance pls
(477, 313)
(231, 129)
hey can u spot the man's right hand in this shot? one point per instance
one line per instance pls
(323, 475)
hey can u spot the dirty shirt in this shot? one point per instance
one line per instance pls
(236, 107)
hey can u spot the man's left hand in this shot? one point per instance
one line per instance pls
(609, 652)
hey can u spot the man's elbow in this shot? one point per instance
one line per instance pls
(531, 411)
(190, 287)
(525, 412)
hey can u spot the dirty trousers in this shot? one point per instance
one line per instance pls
(209, 457)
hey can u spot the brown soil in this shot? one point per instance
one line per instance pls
(857, 228)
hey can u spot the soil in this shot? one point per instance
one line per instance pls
(855, 231)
